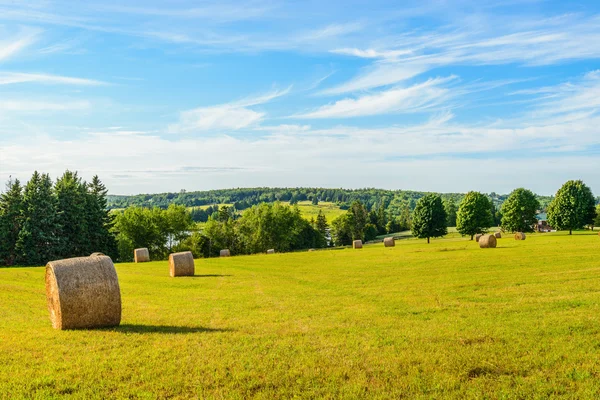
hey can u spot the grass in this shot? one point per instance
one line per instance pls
(308, 210)
(445, 320)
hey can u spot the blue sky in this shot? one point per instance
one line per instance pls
(430, 95)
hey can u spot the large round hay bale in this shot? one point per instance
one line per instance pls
(498, 235)
(487, 242)
(83, 292)
(519, 236)
(225, 253)
(141, 255)
(477, 237)
(357, 244)
(389, 242)
(181, 264)
(271, 251)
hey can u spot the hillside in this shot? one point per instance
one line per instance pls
(243, 198)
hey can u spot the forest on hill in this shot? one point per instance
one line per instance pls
(243, 198)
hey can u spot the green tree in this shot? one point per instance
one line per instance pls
(321, 224)
(100, 221)
(358, 217)
(519, 211)
(177, 222)
(315, 201)
(451, 210)
(429, 218)
(474, 214)
(11, 203)
(573, 207)
(341, 232)
(597, 219)
(38, 240)
(71, 215)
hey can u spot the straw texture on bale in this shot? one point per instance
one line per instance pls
(83, 292)
(181, 264)
(225, 253)
(519, 236)
(141, 255)
(357, 244)
(97, 254)
(478, 236)
(271, 251)
(498, 235)
(487, 242)
(389, 242)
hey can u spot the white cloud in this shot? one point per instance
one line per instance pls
(548, 42)
(230, 116)
(11, 46)
(417, 98)
(32, 106)
(7, 78)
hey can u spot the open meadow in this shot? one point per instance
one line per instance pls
(445, 320)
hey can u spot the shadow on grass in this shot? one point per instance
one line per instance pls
(208, 276)
(136, 328)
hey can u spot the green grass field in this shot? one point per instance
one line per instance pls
(445, 320)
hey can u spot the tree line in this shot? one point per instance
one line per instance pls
(46, 220)
(573, 207)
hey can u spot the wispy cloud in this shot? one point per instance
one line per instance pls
(7, 78)
(417, 98)
(230, 116)
(572, 37)
(13, 45)
(33, 105)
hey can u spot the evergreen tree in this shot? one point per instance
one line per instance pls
(519, 211)
(474, 214)
(100, 221)
(11, 203)
(72, 215)
(38, 241)
(572, 207)
(321, 224)
(358, 217)
(429, 218)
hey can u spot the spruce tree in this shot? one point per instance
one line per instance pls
(11, 203)
(321, 224)
(72, 208)
(38, 241)
(100, 222)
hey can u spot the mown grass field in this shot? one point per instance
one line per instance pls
(445, 320)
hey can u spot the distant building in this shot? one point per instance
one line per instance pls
(542, 224)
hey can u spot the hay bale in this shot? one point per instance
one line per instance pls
(389, 242)
(225, 253)
(97, 254)
(271, 251)
(311, 249)
(487, 242)
(357, 244)
(519, 236)
(181, 264)
(83, 292)
(498, 235)
(478, 236)
(141, 255)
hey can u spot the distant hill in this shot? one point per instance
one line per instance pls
(242, 198)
